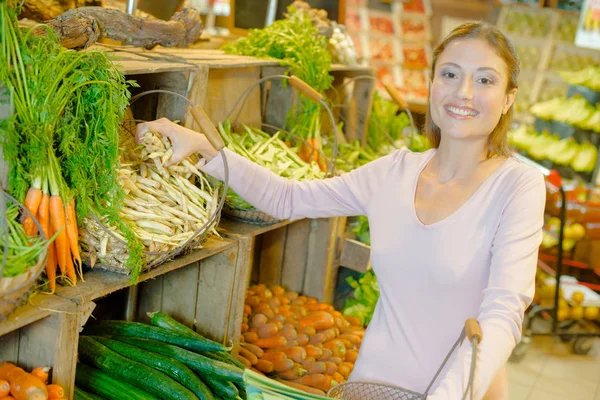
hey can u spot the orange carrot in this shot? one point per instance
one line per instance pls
(297, 353)
(318, 320)
(313, 351)
(258, 320)
(302, 387)
(264, 366)
(337, 347)
(319, 381)
(44, 219)
(303, 339)
(278, 291)
(274, 356)
(71, 271)
(327, 354)
(247, 309)
(297, 372)
(55, 391)
(268, 343)
(338, 377)
(4, 388)
(244, 327)
(22, 384)
(42, 373)
(32, 203)
(282, 365)
(248, 355)
(257, 351)
(331, 367)
(250, 337)
(315, 367)
(57, 219)
(267, 330)
(351, 355)
(73, 234)
(244, 361)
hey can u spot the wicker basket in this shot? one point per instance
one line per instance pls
(253, 217)
(16, 290)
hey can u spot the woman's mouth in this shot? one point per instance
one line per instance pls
(460, 112)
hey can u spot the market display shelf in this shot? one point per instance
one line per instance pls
(355, 255)
(99, 283)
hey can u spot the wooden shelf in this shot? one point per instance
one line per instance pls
(235, 228)
(99, 283)
(355, 255)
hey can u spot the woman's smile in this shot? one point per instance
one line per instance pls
(460, 112)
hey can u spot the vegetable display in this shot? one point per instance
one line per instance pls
(162, 204)
(296, 43)
(581, 157)
(364, 299)
(165, 360)
(297, 340)
(575, 111)
(588, 77)
(17, 384)
(268, 151)
(62, 141)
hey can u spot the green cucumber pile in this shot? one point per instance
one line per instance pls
(165, 360)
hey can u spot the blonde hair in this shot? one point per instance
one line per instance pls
(497, 140)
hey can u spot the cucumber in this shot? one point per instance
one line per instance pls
(205, 366)
(103, 384)
(242, 390)
(168, 366)
(137, 329)
(83, 395)
(224, 357)
(131, 371)
(225, 390)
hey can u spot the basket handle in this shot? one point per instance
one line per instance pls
(207, 127)
(305, 89)
(473, 330)
(396, 96)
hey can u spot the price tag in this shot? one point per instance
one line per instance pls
(6, 103)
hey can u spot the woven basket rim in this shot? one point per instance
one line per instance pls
(249, 216)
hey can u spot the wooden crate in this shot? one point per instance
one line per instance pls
(45, 332)
(299, 255)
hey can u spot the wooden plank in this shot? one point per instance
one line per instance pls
(150, 298)
(279, 98)
(215, 294)
(224, 89)
(355, 255)
(179, 294)
(197, 95)
(171, 106)
(243, 267)
(98, 284)
(233, 228)
(9, 347)
(271, 257)
(38, 341)
(295, 255)
(321, 271)
(360, 110)
(65, 351)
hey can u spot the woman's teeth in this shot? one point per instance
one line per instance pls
(462, 112)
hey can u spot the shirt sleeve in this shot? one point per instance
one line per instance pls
(510, 290)
(345, 195)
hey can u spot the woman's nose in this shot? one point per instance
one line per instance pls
(465, 89)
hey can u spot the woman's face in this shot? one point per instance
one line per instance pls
(468, 92)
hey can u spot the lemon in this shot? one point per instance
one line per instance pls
(576, 313)
(577, 297)
(562, 303)
(591, 313)
(563, 314)
(578, 231)
(568, 244)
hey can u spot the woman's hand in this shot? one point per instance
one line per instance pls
(185, 141)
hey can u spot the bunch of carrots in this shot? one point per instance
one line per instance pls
(297, 340)
(311, 151)
(17, 384)
(58, 220)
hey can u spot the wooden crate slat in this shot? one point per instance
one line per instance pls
(271, 256)
(179, 294)
(236, 229)
(9, 347)
(243, 266)
(295, 256)
(355, 255)
(150, 298)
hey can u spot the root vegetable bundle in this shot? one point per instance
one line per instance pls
(162, 204)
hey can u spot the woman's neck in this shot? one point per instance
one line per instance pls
(458, 160)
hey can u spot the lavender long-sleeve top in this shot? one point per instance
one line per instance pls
(479, 262)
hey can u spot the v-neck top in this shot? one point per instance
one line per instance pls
(479, 262)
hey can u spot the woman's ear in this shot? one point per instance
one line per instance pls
(509, 100)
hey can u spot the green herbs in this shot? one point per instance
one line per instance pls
(363, 301)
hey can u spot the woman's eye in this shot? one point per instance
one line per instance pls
(485, 81)
(450, 75)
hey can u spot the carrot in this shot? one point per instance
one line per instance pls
(245, 327)
(300, 300)
(330, 334)
(299, 310)
(42, 373)
(302, 387)
(247, 309)
(285, 302)
(315, 367)
(292, 296)
(23, 386)
(337, 347)
(282, 365)
(71, 270)
(267, 330)
(341, 323)
(257, 351)
(265, 294)
(319, 381)
(354, 339)
(296, 372)
(312, 300)
(274, 303)
(344, 371)
(338, 377)
(73, 234)
(308, 330)
(264, 308)
(258, 319)
(290, 332)
(8, 398)
(250, 337)
(274, 356)
(57, 219)
(318, 338)
(4, 388)
(248, 355)
(244, 361)
(297, 353)
(331, 367)
(264, 366)
(267, 343)
(278, 291)
(55, 391)
(313, 351)
(252, 301)
(303, 339)
(278, 318)
(354, 321)
(336, 360)
(318, 319)
(351, 356)
(347, 344)
(44, 219)
(32, 203)
(327, 354)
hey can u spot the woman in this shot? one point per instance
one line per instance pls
(454, 231)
